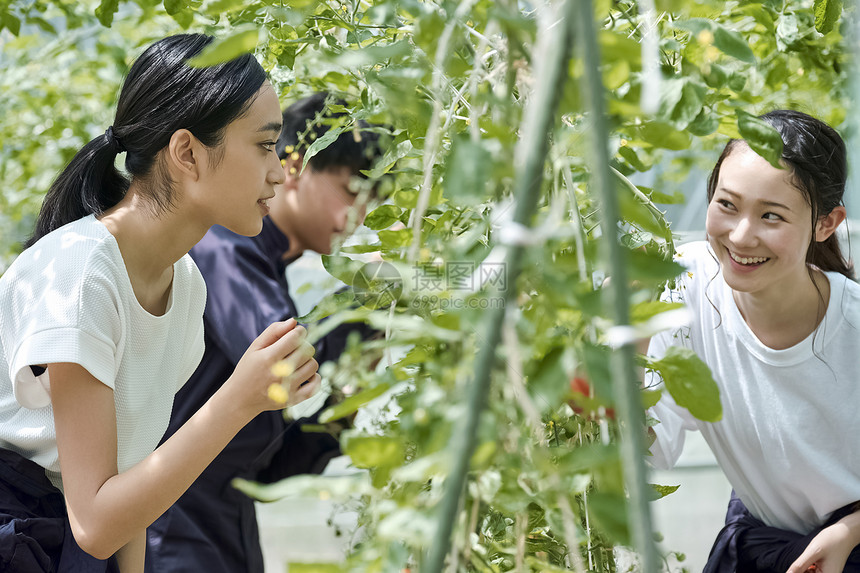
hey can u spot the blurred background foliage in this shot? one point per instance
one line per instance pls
(452, 79)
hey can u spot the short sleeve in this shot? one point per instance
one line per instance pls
(75, 318)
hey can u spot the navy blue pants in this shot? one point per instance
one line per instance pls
(35, 535)
(747, 545)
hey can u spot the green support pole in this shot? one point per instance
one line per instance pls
(623, 365)
(539, 118)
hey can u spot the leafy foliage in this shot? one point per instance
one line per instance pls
(451, 79)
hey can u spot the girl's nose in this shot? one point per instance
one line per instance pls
(744, 233)
(276, 171)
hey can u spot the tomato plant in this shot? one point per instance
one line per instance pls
(492, 220)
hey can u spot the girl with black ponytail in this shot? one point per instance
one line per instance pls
(775, 315)
(101, 315)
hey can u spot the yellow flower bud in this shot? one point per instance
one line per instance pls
(282, 369)
(295, 156)
(289, 149)
(711, 53)
(705, 37)
(278, 394)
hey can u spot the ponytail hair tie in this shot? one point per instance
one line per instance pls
(114, 141)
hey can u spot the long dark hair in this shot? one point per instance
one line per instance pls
(816, 156)
(161, 94)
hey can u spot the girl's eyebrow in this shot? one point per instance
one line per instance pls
(271, 126)
(765, 203)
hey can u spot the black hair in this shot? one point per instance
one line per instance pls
(816, 156)
(310, 118)
(160, 95)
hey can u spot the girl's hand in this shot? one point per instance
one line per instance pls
(254, 375)
(829, 550)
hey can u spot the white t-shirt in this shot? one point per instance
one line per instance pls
(68, 298)
(789, 439)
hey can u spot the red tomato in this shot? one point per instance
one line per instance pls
(582, 401)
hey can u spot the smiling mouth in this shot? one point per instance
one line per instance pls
(747, 261)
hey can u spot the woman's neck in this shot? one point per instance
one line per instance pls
(780, 322)
(150, 244)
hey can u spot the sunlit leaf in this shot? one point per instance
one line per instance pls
(661, 491)
(728, 41)
(827, 14)
(353, 403)
(173, 7)
(223, 50)
(690, 383)
(383, 217)
(761, 137)
(105, 11)
(681, 101)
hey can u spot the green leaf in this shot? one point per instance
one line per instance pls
(676, 198)
(609, 514)
(395, 239)
(705, 123)
(645, 310)
(11, 22)
(681, 101)
(733, 44)
(372, 451)
(383, 217)
(663, 135)
(727, 41)
(827, 14)
(650, 398)
(353, 403)
(225, 49)
(105, 11)
(637, 208)
(392, 155)
(378, 453)
(761, 137)
(652, 268)
(329, 305)
(468, 170)
(218, 7)
(327, 139)
(690, 383)
(305, 486)
(308, 567)
(661, 491)
(543, 383)
(342, 268)
(630, 155)
(175, 6)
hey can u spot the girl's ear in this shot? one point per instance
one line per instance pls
(827, 224)
(183, 153)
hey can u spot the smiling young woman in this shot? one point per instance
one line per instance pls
(758, 226)
(775, 316)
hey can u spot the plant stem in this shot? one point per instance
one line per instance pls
(622, 362)
(551, 58)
